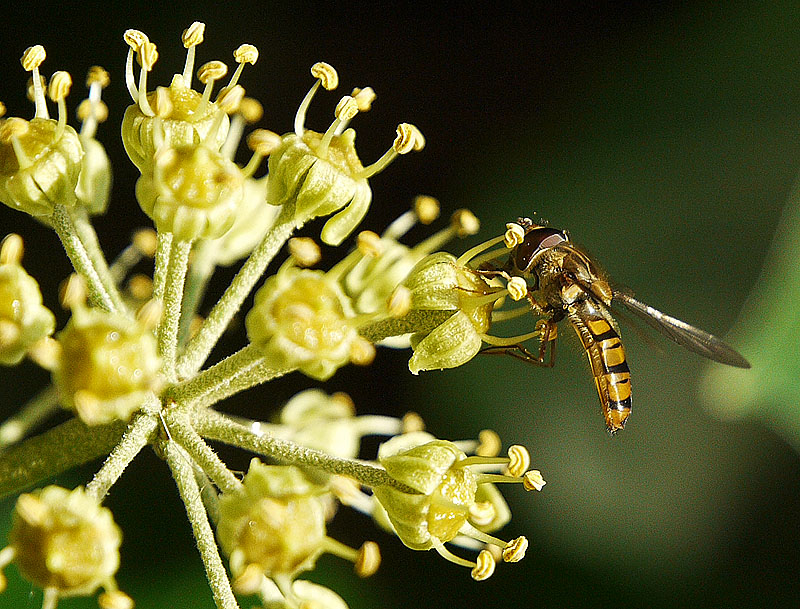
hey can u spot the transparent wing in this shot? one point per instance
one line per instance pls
(693, 339)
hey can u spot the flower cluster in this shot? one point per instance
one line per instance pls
(130, 364)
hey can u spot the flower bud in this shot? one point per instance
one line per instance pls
(107, 366)
(39, 165)
(301, 319)
(64, 540)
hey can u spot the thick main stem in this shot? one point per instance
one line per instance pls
(183, 473)
(231, 301)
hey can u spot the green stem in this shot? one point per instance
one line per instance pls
(65, 228)
(200, 271)
(140, 433)
(244, 369)
(181, 431)
(173, 297)
(183, 473)
(57, 450)
(29, 416)
(416, 321)
(88, 237)
(215, 426)
(161, 264)
(231, 301)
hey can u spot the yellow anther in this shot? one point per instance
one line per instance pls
(145, 241)
(72, 292)
(517, 288)
(489, 443)
(411, 421)
(211, 71)
(229, 98)
(484, 567)
(246, 53)
(482, 513)
(2, 109)
(426, 208)
(148, 55)
(97, 110)
(135, 39)
(515, 549)
(140, 287)
(362, 352)
(249, 580)
(408, 138)
(346, 109)
(519, 460)
(326, 74)
(33, 57)
(263, 141)
(60, 84)
(532, 480)
(13, 127)
(305, 251)
(345, 402)
(364, 97)
(399, 303)
(11, 249)
(251, 110)
(149, 314)
(514, 235)
(97, 76)
(464, 223)
(115, 599)
(369, 244)
(193, 35)
(45, 352)
(368, 559)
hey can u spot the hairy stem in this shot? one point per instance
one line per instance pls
(65, 228)
(161, 264)
(181, 431)
(214, 426)
(231, 301)
(200, 272)
(173, 297)
(244, 369)
(139, 434)
(415, 321)
(183, 473)
(69, 445)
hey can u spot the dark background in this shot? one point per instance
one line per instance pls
(665, 137)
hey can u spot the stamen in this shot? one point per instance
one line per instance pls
(246, 53)
(262, 142)
(32, 58)
(464, 258)
(90, 114)
(227, 101)
(399, 303)
(462, 224)
(72, 292)
(11, 249)
(10, 131)
(362, 352)
(346, 109)
(305, 251)
(490, 540)
(327, 78)
(532, 480)
(514, 235)
(364, 98)
(489, 443)
(484, 568)
(482, 513)
(369, 244)
(517, 288)
(250, 111)
(191, 37)
(510, 341)
(134, 39)
(515, 549)
(58, 90)
(408, 138)
(147, 57)
(208, 74)
(427, 208)
(114, 599)
(448, 555)
(412, 422)
(368, 559)
(519, 460)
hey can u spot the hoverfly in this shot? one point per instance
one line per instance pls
(565, 282)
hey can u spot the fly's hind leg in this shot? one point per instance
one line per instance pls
(549, 333)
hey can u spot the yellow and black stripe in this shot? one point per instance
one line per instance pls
(607, 358)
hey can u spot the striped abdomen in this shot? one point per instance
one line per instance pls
(607, 359)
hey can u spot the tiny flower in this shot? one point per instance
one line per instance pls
(301, 319)
(24, 320)
(107, 366)
(40, 159)
(274, 525)
(192, 192)
(321, 174)
(66, 543)
(445, 503)
(94, 183)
